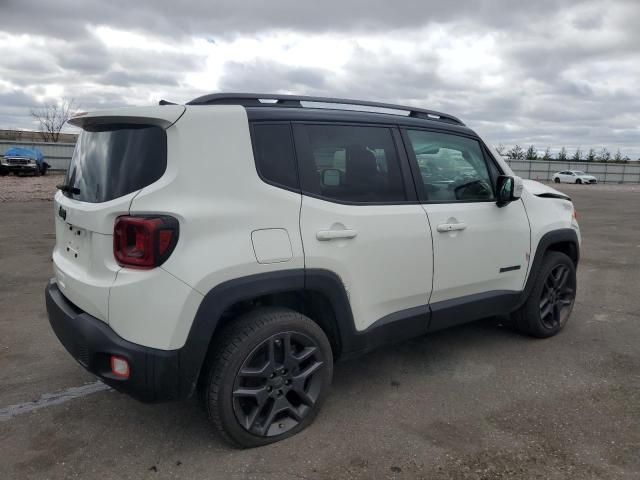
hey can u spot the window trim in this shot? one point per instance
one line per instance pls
(403, 162)
(254, 150)
(417, 176)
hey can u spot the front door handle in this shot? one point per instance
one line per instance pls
(451, 227)
(324, 235)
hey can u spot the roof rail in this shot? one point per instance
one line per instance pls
(255, 100)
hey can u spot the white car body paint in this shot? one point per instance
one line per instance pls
(573, 176)
(233, 224)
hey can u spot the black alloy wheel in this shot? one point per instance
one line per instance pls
(558, 295)
(278, 384)
(267, 376)
(548, 306)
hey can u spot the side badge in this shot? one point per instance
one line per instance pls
(63, 213)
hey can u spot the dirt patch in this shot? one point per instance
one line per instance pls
(29, 189)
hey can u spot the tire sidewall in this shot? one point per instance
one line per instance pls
(287, 321)
(534, 323)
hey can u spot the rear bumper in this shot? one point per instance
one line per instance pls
(155, 374)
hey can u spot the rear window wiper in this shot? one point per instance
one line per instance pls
(68, 189)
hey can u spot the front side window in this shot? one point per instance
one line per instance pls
(349, 163)
(451, 168)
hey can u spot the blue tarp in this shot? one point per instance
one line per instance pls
(33, 153)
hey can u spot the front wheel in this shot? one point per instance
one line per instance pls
(578, 181)
(551, 299)
(268, 377)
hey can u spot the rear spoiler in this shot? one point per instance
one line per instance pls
(160, 116)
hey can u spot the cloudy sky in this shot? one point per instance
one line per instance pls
(548, 72)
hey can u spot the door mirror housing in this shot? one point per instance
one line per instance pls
(508, 189)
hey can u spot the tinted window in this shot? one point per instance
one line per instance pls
(274, 154)
(452, 168)
(351, 164)
(114, 160)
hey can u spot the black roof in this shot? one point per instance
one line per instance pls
(293, 104)
(276, 113)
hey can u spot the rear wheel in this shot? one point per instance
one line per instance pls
(551, 299)
(557, 180)
(268, 377)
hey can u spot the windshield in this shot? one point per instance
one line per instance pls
(578, 172)
(111, 161)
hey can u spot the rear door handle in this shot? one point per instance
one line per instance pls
(324, 235)
(451, 227)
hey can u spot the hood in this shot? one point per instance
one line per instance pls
(542, 190)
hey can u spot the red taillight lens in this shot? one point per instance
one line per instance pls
(144, 242)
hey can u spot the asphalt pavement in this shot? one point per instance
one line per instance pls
(475, 402)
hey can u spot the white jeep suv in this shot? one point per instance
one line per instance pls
(238, 245)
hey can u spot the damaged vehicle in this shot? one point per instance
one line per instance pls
(237, 246)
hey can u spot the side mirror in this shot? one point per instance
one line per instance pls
(331, 177)
(508, 189)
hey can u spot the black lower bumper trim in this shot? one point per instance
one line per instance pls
(155, 374)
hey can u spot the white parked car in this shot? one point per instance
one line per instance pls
(237, 248)
(573, 176)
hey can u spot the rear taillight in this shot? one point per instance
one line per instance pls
(144, 241)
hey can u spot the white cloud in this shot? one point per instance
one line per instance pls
(550, 72)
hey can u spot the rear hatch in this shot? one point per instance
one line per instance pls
(117, 154)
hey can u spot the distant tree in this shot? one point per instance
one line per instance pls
(500, 149)
(577, 157)
(547, 154)
(52, 116)
(591, 156)
(604, 155)
(516, 153)
(626, 159)
(532, 153)
(617, 157)
(562, 155)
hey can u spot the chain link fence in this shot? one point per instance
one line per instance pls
(604, 172)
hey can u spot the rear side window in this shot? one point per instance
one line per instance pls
(452, 168)
(349, 163)
(111, 161)
(274, 154)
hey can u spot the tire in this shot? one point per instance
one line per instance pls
(551, 299)
(578, 181)
(255, 393)
(557, 180)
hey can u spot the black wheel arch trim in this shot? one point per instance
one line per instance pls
(547, 241)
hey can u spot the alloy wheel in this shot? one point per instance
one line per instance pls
(558, 295)
(278, 384)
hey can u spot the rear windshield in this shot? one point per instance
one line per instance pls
(111, 161)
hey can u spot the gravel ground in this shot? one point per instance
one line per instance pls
(476, 402)
(29, 189)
